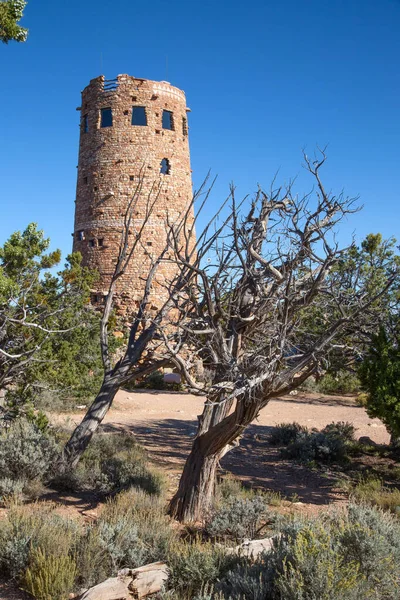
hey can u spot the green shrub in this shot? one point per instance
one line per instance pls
(340, 383)
(26, 453)
(11, 488)
(339, 556)
(194, 565)
(112, 463)
(132, 530)
(342, 429)
(330, 444)
(380, 378)
(26, 528)
(372, 491)
(237, 518)
(316, 446)
(49, 577)
(285, 433)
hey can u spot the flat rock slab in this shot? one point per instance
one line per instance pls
(130, 583)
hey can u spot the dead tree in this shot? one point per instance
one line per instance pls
(144, 351)
(252, 288)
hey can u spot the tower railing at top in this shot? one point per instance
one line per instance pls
(109, 85)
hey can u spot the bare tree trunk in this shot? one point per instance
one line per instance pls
(193, 499)
(82, 434)
(196, 488)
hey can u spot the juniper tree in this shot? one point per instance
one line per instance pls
(11, 11)
(250, 284)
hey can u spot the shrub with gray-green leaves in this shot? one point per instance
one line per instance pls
(285, 433)
(26, 453)
(237, 518)
(330, 444)
(339, 556)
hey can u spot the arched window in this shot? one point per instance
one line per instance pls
(165, 166)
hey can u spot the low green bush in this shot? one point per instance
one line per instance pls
(340, 383)
(27, 529)
(316, 446)
(372, 491)
(341, 556)
(26, 452)
(237, 518)
(112, 463)
(193, 565)
(49, 577)
(285, 433)
(132, 530)
(331, 444)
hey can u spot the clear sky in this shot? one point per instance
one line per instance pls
(263, 79)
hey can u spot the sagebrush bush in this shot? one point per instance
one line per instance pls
(340, 383)
(330, 444)
(237, 518)
(26, 452)
(339, 556)
(194, 564)
(11, 488)
(318, 446)
(132, 530)
(112, 463)
(285, 433)
(25, 529)
(342, 429)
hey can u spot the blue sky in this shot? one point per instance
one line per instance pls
(263, 79)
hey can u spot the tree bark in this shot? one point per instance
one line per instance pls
(196, 488)
(193, 499)
(83, 433)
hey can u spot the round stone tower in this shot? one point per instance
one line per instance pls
(133, 141)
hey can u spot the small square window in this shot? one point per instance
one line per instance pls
(92, 243)
(80, 236)
(85, 123)
(106, 117)
(85, 180)
(139, 115)
(168, 120)
(100, 242)
(131, 177)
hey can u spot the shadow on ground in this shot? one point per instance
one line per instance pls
(254, 461)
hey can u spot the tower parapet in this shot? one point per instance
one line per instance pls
(132, 132)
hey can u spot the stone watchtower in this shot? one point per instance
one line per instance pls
(133, 132)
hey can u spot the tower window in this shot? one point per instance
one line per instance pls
(165, 166)
(184, 126)
(92, 243)
(168, 120)
(85, 179)
(106, 117)
(85, 123)
(80, 236)
(100, 242)
(131, 177)
(139, 115)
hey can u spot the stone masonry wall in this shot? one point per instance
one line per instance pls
(113, 161)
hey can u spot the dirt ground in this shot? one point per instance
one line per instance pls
(165, 424)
